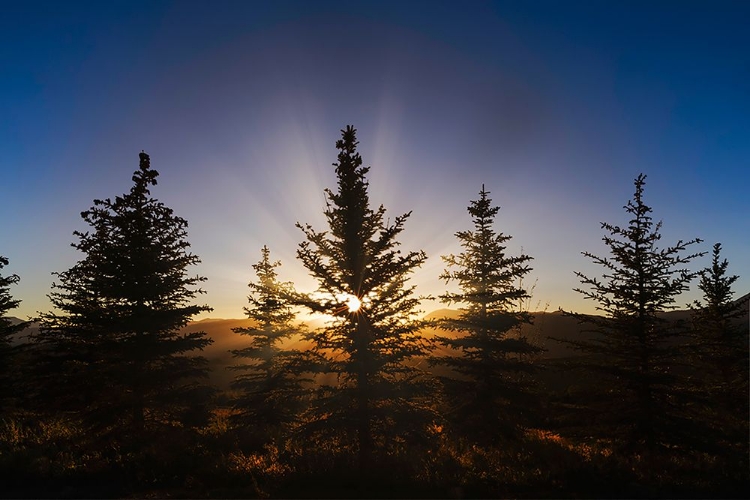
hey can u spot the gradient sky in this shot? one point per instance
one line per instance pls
(554, 106)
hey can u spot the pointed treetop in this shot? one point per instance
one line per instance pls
(349, 169)
(636, 205)
(348, 146)
(265, 269)
(482, 210)
(145, 176)
(715, 284)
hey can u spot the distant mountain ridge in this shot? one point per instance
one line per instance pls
(436, 314)
(546, 324)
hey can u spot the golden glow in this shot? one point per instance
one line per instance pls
(353, 303)
(341, 304)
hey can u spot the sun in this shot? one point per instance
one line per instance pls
(353, 303)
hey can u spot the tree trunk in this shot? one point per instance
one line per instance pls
(364, 431)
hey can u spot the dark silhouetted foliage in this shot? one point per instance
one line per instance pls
(636, 401)
(7, 303)
(270, 386)
(8, 328)
(719, 362)
(111, 353)
(658, 409)
(375, 400)
(489, 395)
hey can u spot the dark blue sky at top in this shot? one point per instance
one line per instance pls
(554, 106)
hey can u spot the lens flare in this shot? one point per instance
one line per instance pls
(353, 303)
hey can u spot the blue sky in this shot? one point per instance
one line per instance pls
(554, 106)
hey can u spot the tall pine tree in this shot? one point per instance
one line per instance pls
(270, 387)
(489, 392)
(632, 347)
(113, 354)
(362, 283)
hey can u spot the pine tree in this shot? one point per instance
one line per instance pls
(362, 282)
(113, 354)
(632, 347)
(489, 393)
(270, 385)
(8, 328)
(719, 343)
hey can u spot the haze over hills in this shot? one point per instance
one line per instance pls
(546, 324)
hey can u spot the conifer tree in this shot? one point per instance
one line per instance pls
(489, 393)
(632, 348)
(270, 384)
(719, 343)
(113, 355)
(362, 283)
(7, 329)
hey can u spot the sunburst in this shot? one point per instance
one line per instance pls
(353, 303)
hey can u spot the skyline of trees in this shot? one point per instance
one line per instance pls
(114, 385)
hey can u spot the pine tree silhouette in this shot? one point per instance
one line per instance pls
(362, 283)
(489, 392)
(271, 387)
(633, 348)
(719, 362)
(112, 355)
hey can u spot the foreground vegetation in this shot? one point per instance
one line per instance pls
(56, 458)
